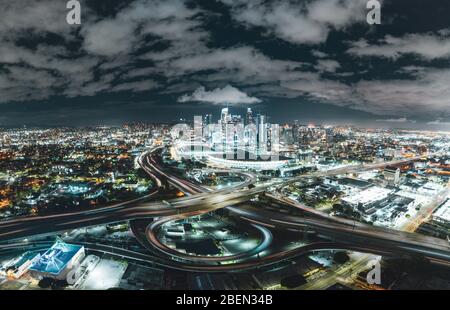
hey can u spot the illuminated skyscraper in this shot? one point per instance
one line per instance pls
(249, 117)
(224, 116)
(262, 131)
(223, 122)
(207, 120)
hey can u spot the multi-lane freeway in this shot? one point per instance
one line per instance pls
(201, 200)
(373, 239)
(135, 209)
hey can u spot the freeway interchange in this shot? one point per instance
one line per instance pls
(341, 233)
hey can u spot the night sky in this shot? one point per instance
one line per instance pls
(316, 61)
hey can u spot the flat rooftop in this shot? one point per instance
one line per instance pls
(443, 213)
(368, 196)
(55, 259)
(354, 182)
(27, 256)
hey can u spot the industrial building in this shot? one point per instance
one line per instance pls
(368, 199)
(392, 175)
(442, 215)
(19, 266)
(57, 261)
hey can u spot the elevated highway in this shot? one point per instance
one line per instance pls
(351, 235)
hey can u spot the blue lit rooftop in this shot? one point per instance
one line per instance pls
(55, 259)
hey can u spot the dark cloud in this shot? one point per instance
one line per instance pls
(314, 53)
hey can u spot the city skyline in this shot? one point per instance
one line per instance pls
(84, 208)
(223, 150)
(328, 66)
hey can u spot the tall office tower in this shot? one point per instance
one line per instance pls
(234, 131)
(207, 119)
(302, 135)
(224, 118)
(198, 129)
(295, 133)
(251, 132)
(273, 138)
(207, 126)
(262, 131)
(251, 136)
(249, 117)
(329, 135)
(287, 135)
(235, 119)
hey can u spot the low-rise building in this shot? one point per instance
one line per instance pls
(57, 261)
(442, 215)
(392, 175)
(20, 266)
(367, 198)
